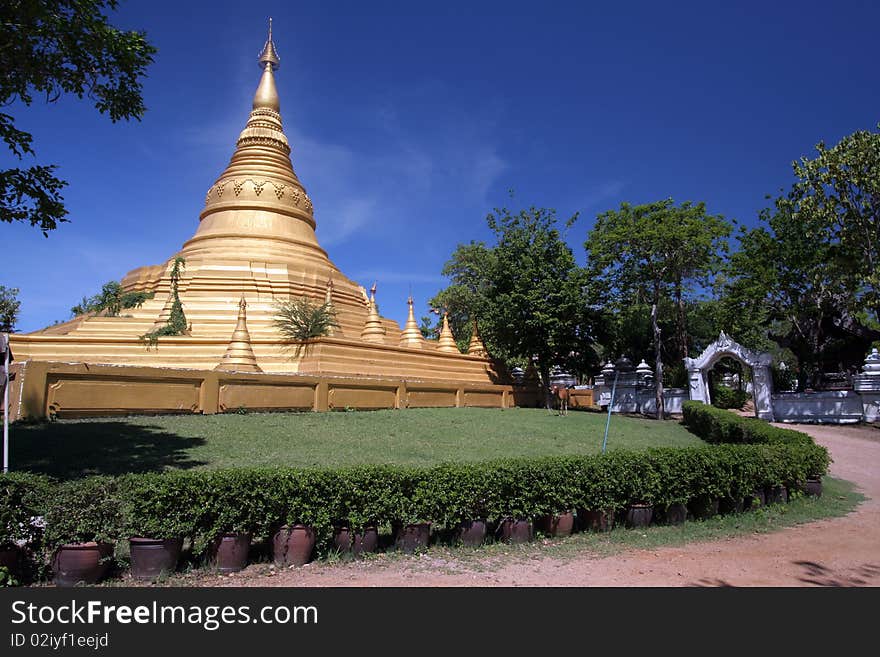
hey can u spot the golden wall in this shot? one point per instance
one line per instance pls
(42, 389)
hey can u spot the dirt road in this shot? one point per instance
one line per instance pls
(841, 551)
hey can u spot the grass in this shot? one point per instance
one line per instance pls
(74, 448)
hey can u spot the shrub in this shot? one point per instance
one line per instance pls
(23, 498)
(162, 506)
(724, 397)
(84, 510)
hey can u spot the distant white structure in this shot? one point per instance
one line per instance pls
(635, 389)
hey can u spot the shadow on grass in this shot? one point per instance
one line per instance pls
(71, 451)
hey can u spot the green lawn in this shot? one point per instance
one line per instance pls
(72, 448)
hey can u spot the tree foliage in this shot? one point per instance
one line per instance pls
(9, 307)
(299, 320)
(837, 199)
(51, 48)
(176, 324)
(110, 300)
(653, 252)
(526, 292)
(795, 278)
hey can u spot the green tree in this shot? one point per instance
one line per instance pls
(9, 307)
(794, 276)
(526, 292)
(467, 298)
(837, 199)
(51, 48)
(654, 252)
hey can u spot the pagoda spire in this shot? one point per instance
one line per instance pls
(447, 340)
(257, 209)
(374, 330)
(267, 95)
(239, 356)
(476, 346)
(411, 336)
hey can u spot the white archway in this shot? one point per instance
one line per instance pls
(698, 373)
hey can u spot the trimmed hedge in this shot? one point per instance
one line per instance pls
(715, 425)
(201, 505)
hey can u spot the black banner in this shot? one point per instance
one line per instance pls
(112, 621)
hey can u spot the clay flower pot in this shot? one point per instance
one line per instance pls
(413, 537)
(229, 552)
(80, 563)
(639, 515)
(731, 505)
(356, 543)
(152, 557)
(556, 525)
(704, 506)
(516, 531)
(472, 532)
(676, 514)
(757, 499)
(777, 495)
(596, 521)
(293, 545)
(9, 557)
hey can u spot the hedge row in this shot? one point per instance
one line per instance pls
(715, 425)
(203, 504)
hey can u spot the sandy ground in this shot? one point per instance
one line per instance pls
(838, 552)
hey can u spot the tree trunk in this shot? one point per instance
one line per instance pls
(545, 381)
(681, 323)
(658, 362)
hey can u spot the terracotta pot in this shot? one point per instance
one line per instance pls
(152, 557)
(472, 533)
(813, 487)
(676, 514)
(731, 505)
(777, 495)
(516, 531)
(356, 543)
(293, 545)
(560, 524)
(757, 499)
(704, 506)
(229, 552)
(639, 515)
(597, 521)
(413, 537)
(80, 563)
(9, 557)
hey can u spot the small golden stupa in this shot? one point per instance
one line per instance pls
(255, 246)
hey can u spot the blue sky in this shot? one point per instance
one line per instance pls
(409, 121)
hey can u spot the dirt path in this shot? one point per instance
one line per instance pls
(840, 551)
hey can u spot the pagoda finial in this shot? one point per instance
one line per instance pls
(269, 55)
(267, 94)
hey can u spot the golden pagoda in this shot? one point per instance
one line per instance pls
(254, 246)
